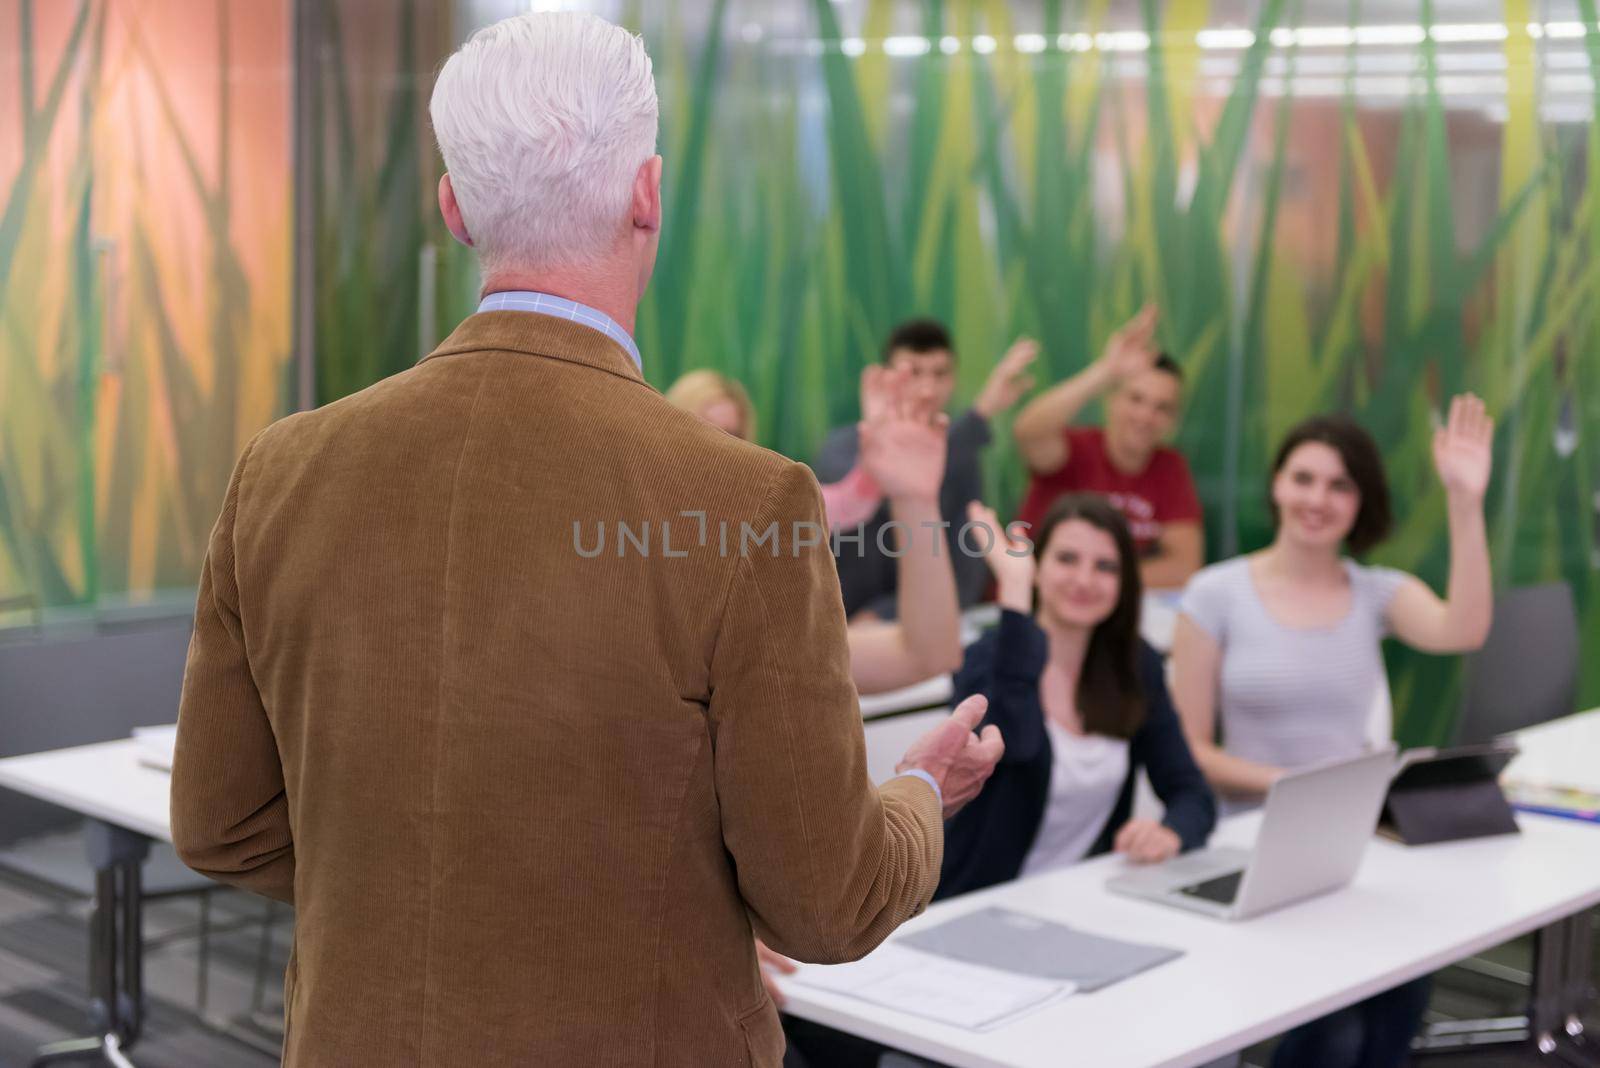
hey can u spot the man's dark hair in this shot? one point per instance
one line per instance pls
(918, 335)
(1362, 462)
(1165, 362)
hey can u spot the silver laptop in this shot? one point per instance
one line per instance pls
(1315, 825)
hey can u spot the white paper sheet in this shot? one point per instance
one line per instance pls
(937, 988)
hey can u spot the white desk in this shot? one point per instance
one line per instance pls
(104, 781)
(929, 693)
(127, 806)
(1563, 754)
(1408, 913)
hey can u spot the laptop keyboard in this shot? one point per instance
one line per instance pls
(1223, 889)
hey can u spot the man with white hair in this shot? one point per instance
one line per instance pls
(532, 798)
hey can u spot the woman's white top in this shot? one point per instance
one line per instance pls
(1086, 776)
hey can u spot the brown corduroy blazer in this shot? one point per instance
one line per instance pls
(529, 799)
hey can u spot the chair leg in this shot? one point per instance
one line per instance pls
(202, 992)
(113, 1053)
(258, 994)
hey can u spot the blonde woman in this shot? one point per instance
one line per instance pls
(718, 399)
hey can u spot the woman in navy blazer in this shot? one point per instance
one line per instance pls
(1071, 675)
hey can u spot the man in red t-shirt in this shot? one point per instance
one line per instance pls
(1148, 481)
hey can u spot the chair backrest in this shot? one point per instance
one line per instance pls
(80, 686)
(1527, 671)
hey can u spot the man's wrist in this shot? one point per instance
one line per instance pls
(918, 773)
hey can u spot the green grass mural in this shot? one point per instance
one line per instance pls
(1042, 170)
(966, 178)
(143, 309)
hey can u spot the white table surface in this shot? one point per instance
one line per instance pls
(104, 780)
(1564, 754)
(1410, 911)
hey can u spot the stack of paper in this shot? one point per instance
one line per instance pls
(935, 987)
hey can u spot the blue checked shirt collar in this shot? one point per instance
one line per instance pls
(562, 308)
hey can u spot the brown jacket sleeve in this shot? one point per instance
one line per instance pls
(230, 817)
(827, 864)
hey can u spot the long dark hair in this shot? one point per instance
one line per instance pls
(1110, 696)
(1362, 462)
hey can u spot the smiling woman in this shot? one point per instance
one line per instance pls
(1281, 649)
(1083, 706)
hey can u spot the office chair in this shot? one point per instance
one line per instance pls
(1527, 671)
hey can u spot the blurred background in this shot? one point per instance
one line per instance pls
(214, 213)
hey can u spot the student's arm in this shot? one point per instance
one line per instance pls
(925, 640)
(1008, 381)
(903, 451)
(1006, 667)
(1196, 668)
(1460, 622)
(230, 812)
(1039, 428)
(852, 500)
(1179, 554)
(1191, 809)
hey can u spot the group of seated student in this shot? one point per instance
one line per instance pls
(1276, 661)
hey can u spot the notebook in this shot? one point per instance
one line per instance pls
(1027, 945)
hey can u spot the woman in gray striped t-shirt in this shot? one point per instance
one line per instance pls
(1282, 646)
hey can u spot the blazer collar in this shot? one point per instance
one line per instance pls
(537, 335)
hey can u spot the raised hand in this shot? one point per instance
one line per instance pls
(1463, 448)
(1009, 380)
(1010, 559)
(903, 443)
(1132, 349)
(879, 387)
